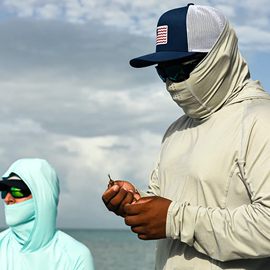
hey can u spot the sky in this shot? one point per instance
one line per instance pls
(69, 95)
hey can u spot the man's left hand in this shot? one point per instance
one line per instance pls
(147, 217)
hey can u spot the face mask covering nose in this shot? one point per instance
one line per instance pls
(20, 213)
(181, 93)
(184, 94)
(21, 218)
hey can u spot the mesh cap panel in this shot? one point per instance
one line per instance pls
(204, 26)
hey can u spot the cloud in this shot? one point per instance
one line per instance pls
(69, 95)
(79, 79)
(48, 11)
(82, 165)
(228, 11)
(93, 160)
(55, 48)
(87, 112)
(140, 17)
(250, 38)
(20, 8)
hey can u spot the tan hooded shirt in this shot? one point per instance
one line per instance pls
(214, 165)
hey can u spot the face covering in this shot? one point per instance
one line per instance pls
(216, 80)
(183, 94)
(20, 218)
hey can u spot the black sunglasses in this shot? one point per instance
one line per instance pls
(16, 193)
(178, 72)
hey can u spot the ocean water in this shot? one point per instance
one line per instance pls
(117, 249)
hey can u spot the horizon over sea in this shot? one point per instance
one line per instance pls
(116, 249)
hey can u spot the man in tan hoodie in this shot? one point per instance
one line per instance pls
(208, 202)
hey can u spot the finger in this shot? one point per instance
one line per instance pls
(116, 201)
(137, 196)
(110, 193)
(138, 229)
(143, 237)
(133, 221)
(134, 200)
(146, 199)
(128, 199)
(119, 183)
(133, 209)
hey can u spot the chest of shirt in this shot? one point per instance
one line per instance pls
(198, 162)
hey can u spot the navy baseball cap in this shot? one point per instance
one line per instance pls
(183, 32)
(13, 181)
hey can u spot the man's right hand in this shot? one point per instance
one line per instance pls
(116, 197)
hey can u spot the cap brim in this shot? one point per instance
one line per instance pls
(158, 57)
(6, 184)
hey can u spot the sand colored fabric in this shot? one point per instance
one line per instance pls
(214, 164)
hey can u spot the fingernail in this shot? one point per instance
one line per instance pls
(134, 200)
(131, 191)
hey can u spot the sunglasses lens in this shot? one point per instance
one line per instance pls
(16, 192)
(176, 73)
(3, 194)
(161, 74)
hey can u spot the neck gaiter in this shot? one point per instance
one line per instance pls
(21, 218)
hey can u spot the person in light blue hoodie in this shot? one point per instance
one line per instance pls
(30, 189)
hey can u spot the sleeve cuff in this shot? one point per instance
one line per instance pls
(180, 223)
(142, 193)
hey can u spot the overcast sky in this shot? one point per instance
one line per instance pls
(69, 95)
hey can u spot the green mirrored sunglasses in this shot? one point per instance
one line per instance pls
(16, 193)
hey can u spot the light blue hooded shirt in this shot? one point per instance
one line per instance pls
(32, 241)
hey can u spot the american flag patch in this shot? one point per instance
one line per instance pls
(162, 35)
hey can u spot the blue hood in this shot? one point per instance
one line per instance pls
(36, 244)
(43, 182)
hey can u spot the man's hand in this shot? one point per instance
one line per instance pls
(116, 197)
(147, 217)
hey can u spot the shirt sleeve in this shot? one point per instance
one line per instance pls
(242, 233)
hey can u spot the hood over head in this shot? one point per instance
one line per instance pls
(43, 183)
(217, 80)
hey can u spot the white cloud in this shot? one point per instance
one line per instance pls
(48, 11)
(139, 17)
(72, 99)
(228, 11)
(69, 95)
(22, 8)
(82, 165)
(251, 38)
(92, 159)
